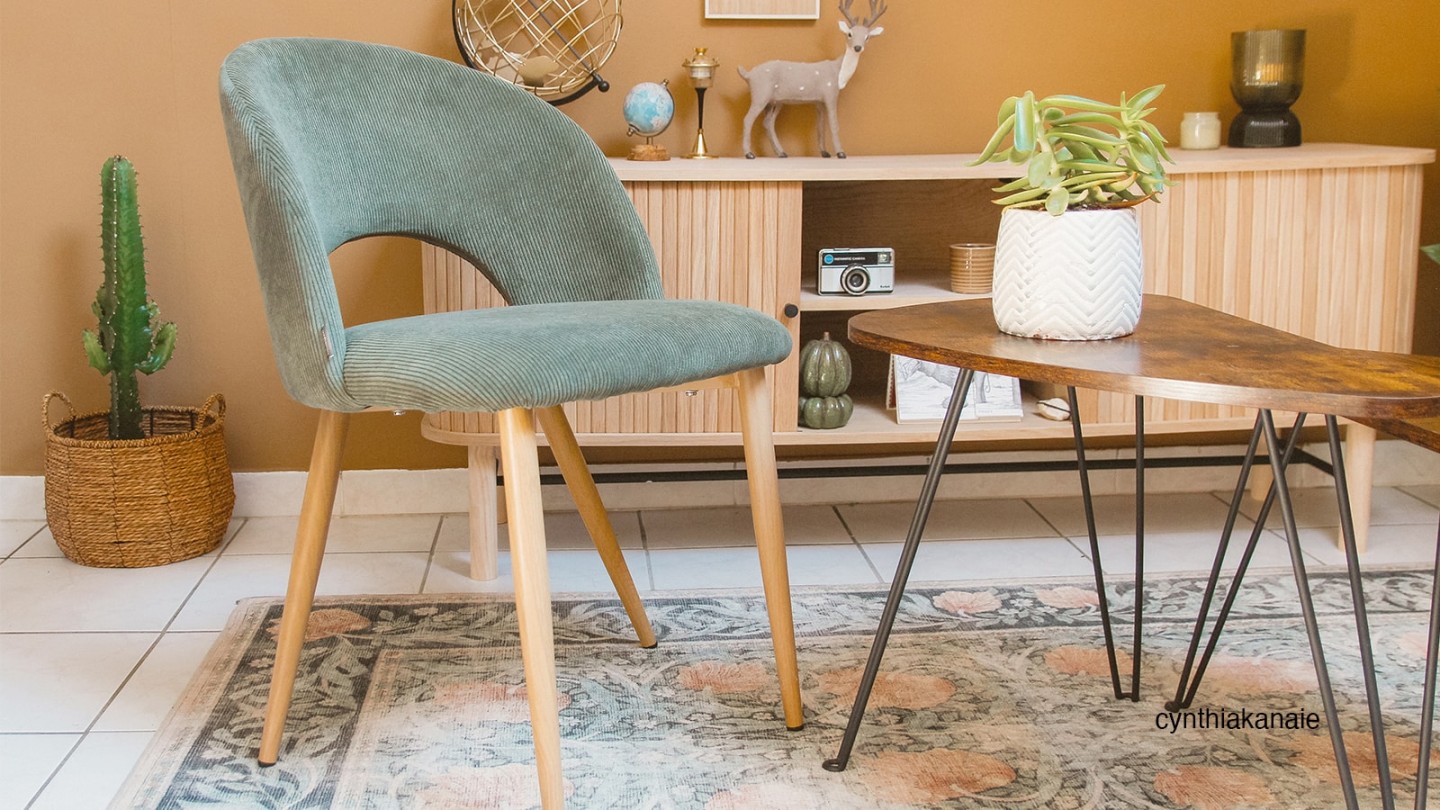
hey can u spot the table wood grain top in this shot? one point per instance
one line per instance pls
(1180, 351)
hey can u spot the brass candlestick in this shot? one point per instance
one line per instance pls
(702, 73)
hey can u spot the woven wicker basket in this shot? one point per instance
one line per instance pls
(139, 502)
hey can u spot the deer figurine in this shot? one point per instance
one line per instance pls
(778, 83)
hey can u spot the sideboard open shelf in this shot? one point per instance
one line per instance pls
(1321, 240)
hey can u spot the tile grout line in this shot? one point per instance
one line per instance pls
(430, 560)
(40, 791)
(645, 547)
(25, 542)
(85, 734)
(873, 568)
(1062, 536)
(1408, 494)
(1423, 500)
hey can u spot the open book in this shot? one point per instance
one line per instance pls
(919, 391)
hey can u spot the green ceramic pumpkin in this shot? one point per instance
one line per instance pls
(824, 368)
(826, 412)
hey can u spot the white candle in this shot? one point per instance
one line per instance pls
(1200, 130)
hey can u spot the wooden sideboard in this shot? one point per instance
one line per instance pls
(1321, 240)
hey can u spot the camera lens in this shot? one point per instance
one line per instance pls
(855, 280)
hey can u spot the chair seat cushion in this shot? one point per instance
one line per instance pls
(547, 354)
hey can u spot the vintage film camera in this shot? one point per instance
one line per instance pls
(857, 271)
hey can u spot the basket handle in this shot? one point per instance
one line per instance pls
(45, 409)
(214, 407)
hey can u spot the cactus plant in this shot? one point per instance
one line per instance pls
(129, 337)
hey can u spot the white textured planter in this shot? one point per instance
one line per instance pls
(1078, 276)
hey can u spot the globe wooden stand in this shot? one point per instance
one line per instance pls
(648, 151)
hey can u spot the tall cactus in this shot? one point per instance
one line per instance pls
(127, 339)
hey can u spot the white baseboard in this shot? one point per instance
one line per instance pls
(366, 492)
(22, 497)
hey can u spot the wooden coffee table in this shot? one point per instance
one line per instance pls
(1180, 351)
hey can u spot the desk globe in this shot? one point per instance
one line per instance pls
(649, 109)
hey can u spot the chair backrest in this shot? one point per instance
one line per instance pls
(333, 141)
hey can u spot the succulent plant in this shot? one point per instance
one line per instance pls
(1433, 251)
(1079, 153)
(128, 338)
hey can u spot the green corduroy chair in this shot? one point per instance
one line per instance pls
(333, 141)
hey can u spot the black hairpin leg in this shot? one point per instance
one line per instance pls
(1427, 720)
(1362, 622)
(1134, 691)
(1307, 610)
(902, 570)
(1183, 696)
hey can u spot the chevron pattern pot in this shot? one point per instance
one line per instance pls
(1078, 276)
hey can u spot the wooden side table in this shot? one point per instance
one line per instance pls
(1180, 351)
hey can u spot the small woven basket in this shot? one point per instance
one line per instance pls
(138, 502)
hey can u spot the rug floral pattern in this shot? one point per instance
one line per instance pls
(992, 696)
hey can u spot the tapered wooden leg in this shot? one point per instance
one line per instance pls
(597, 520)
(484, 534)
(320, 484)
(755, 419)
(1260, 483)
(1360, 470)
(532, 595)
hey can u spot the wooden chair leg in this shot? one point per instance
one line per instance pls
(315, 509)
(760, 469)
(532, 595)
(484, 534)
(597, 520)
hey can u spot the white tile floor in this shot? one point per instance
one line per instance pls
(91, 659)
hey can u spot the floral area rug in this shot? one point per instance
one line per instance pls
(994, 695)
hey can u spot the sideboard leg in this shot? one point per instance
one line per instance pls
(484, 533)
(1360, 469)
(1261, 483)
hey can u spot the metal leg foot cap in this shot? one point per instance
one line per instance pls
(833, 765)
(1175, 706)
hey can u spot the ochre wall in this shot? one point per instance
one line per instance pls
(85, 79)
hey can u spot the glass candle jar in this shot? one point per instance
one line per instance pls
(1200, 130)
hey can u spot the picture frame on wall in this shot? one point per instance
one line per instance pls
(762, 9)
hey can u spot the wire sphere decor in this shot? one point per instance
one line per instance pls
(553, 48)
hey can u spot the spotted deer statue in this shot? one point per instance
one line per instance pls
(777, 83)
